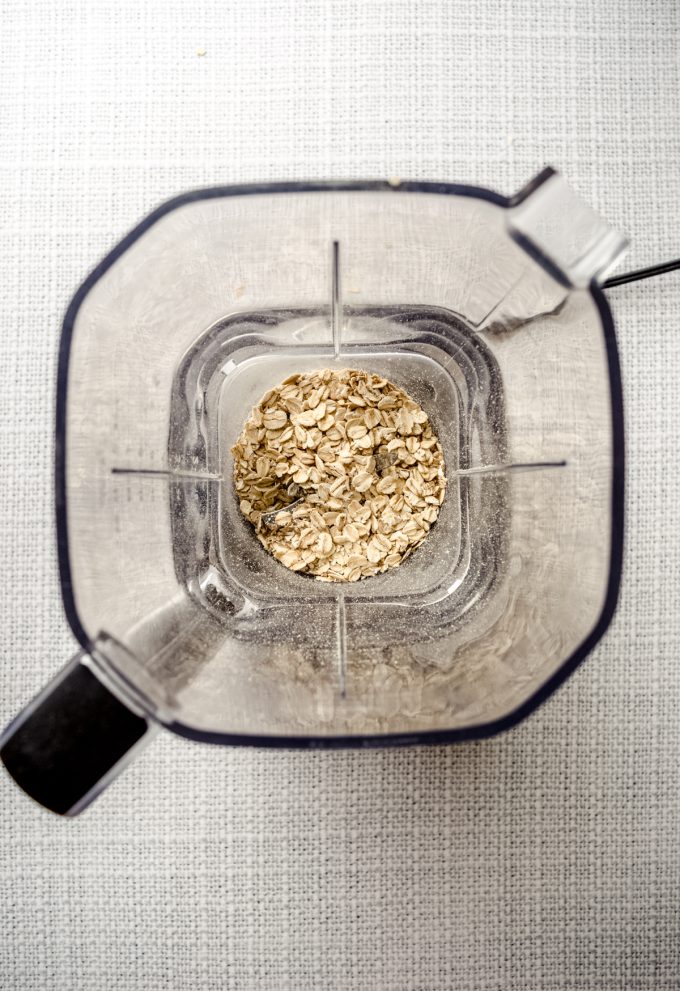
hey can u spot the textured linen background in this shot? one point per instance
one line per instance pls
(548, 858)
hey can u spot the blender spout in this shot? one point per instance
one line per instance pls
(563, 234)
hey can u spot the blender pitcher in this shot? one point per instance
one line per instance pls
(488, 312)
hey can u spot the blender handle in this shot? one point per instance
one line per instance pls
(72, 740)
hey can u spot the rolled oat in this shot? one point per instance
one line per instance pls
(358, 457)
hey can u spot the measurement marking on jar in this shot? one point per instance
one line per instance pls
(168, 474)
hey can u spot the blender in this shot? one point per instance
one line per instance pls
(489, 312)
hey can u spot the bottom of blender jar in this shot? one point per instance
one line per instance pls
(437, 359)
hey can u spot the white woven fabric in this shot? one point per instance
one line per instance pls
(548, 858)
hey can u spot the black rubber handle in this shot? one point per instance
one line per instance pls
(64, 748)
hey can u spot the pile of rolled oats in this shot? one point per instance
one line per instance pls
(356, 460)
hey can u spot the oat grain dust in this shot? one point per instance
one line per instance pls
(359, 459)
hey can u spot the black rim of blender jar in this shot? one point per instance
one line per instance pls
(617, 510)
